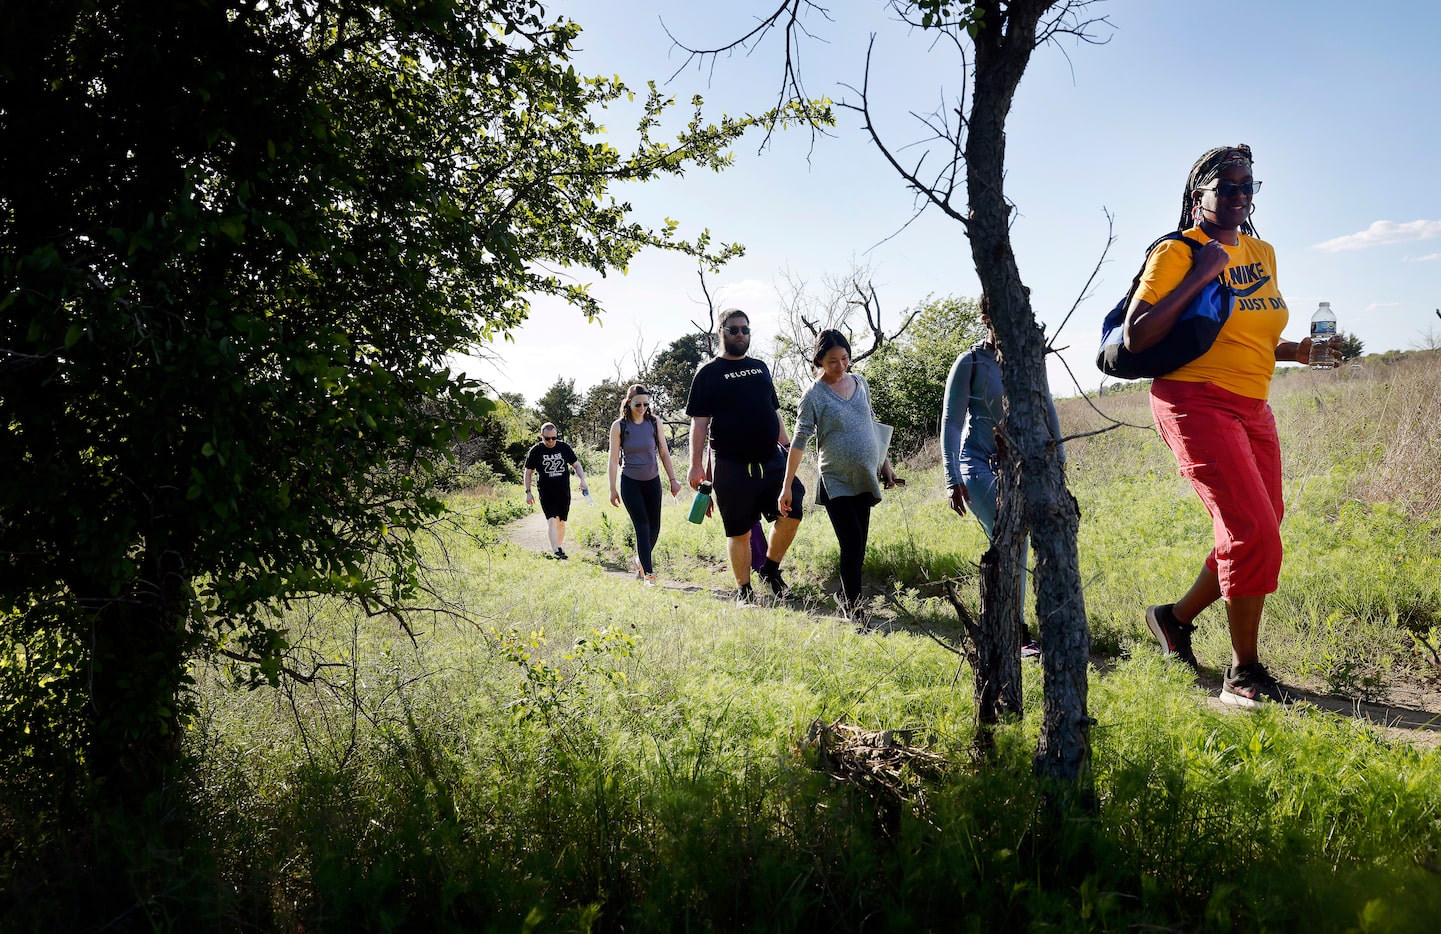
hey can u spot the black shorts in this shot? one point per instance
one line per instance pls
(556, 505)
(746, 492)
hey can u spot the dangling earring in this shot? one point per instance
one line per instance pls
(1196, 215)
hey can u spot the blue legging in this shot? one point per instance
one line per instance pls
(642, 501)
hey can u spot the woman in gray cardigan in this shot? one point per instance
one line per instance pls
(851, 466)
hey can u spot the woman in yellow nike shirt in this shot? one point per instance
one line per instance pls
(1213, 414)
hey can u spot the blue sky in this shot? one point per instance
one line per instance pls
(1338, 100)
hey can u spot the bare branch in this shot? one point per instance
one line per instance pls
(1115, 423)
(938, 195)
(1085, 292)
(788, 18)
(1066, 21)
(709, 330)
(288, 671)
(867, 299)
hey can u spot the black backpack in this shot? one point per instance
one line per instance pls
(1192, 335)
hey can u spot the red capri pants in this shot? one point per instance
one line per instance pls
(1226, 446)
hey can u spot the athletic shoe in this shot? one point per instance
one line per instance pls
(560, 553)
(648, 580)
(746, 595)
(775, 582)
(1031, 649)
(1174, 635)
(1252, 687)
(639, 571)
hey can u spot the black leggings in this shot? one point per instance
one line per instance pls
(851, 518)
(642, 501)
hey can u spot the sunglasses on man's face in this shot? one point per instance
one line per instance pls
(738, 329)
(549, 438)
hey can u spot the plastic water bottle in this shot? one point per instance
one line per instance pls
(1323, 328)
(700, 504)
(588, 500)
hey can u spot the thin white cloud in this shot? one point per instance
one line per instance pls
(1381, 233)
(1380, 306)
(745, 292)
(1428, 258)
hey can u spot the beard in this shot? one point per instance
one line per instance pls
(736, 346)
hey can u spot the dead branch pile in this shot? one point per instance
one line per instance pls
(883, 763)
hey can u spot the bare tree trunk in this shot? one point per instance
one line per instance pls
(1003, 44)
(998, 669)
(1004, 33)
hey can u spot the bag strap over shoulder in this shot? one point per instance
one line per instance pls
(1173, 235)
(624, 424)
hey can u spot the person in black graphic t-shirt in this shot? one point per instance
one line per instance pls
(550, 463)
(733, 404)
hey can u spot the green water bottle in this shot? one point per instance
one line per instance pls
(700, 504)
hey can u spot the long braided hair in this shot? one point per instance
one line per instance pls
(1206, 170)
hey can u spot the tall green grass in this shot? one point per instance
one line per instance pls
(563, 749)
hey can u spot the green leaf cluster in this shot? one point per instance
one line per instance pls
(940, 14)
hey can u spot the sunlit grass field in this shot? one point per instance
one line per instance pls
(555, 747)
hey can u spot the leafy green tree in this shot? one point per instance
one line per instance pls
(560, 406)
(1351, 346)
(671, 372)
(513, 399)
(238, 242)
(496, 439)
(598, 409)
(521, 426)
(907, 376)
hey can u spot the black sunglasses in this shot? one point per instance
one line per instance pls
(641, 405)
(1231, 189)
(738, 329)
(550, 437)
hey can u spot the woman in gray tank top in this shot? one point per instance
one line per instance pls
(637, 452)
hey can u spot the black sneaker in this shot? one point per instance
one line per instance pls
(775, 582)
(1252, 687)
(746, 595)
(1174, 635)
(560, 554)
